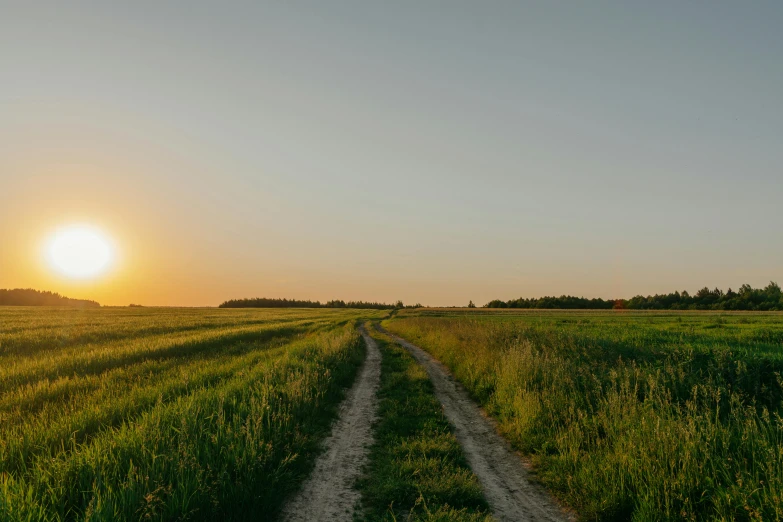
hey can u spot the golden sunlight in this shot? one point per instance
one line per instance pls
(80, 251)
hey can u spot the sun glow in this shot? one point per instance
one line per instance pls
(80, 251)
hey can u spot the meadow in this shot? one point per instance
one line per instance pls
(628, 415)
(191, 414)
(162, 414)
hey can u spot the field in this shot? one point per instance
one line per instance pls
(195, 414)
(643, 416)
(135, 414)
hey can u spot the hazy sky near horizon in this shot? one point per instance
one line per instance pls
(426, 151)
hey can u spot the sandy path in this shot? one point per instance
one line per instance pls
(500, 471)
(329, 493)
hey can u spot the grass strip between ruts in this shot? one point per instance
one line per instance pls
(416, 470)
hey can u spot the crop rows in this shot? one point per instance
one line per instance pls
(150, 415)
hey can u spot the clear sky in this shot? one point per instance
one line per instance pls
(426, 151)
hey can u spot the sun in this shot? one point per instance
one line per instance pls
(80, 251)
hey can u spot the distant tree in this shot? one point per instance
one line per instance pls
(748, 298)
(471, 305)
(264, 302)
(30, 297)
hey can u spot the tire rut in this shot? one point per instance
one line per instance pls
(329, 493)
(503, 477)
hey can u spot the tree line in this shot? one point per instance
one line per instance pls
(30, 297)
(265, 302)
(769, 298)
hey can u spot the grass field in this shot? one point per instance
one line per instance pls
(137, 414)
(176, 414)
(640, 416)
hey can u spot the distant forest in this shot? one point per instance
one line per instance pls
(265, 302)
(746, 298)
(30, 297)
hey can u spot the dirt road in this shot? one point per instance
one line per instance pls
(511, 495)
(329, 493)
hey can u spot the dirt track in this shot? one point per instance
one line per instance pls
(503, 477)
(329, 493)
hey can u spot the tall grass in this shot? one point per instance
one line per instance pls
(622, 421)
(220, 420)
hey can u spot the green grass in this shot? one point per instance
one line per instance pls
(163, 414)
(416, 468)
(629, 416)
(177, 414)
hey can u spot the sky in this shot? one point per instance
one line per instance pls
(435, 152)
